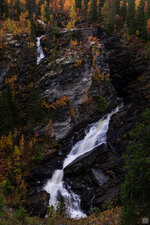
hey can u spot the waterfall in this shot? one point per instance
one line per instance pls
(40, 53)
(96, 135)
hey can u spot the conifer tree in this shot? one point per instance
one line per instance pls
(131, 16)
(18, 8)
(85, 6)
(141, 20)
(123, 9)
(116, 7)
(3, 8)
(78, 4)
(100, 6)
(93, 11)
(148, 10)
(105, 12)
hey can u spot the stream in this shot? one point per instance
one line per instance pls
(95, 135)
(40, 53)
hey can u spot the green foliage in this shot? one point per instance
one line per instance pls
(96, 211)
(101, 103)
(105, 13)
(141, 20)
(38, 155)
(131, 16)
(93, 11)
(147, 48)
(61, 207)
(36, 112)
(1, 204)
(20, 215)
(8, 186)
(135, 190)
(8, 112)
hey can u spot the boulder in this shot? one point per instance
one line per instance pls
(37, 203)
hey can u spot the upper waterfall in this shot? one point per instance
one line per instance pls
(40, 53)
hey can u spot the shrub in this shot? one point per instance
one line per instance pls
(38, 155)
(21, 215)
(36, 111)
(147, 48)
(101, 103)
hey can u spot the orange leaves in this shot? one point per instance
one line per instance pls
(72, 113)
(100, 76)
(22, 143)
(78, 62)
(6, 142)
(92, 39)
(73, 43)
(56, 104)
(18, 27)
(148, 26)
(11, 82)
(49, 129)
(88, 98)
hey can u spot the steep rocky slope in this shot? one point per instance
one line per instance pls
(94, 76)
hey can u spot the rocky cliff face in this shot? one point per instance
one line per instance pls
(92, 74)
(71, 74)
(99, 174)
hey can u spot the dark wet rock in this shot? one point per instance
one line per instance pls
(96, 177)
(37, 203)
(99, 176)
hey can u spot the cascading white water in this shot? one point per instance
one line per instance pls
(95, 136)
(40, 53)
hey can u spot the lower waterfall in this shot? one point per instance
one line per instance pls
(95, 136)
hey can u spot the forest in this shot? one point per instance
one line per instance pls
(74, 112)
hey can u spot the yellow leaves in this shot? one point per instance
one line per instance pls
(148, 26)
(22, 143)
(9, 25)
(11, 80)
(31, 144)
(100, 76)
(43, 13)
(56, 104)
(18, 27)
(73, 43)
(78, 62)
(49, 129)
(10, 140)
(6, 142)
(88, 98)
(16, 153)
(72, 113)
(73, 13)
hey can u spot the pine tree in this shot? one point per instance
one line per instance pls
(131, 16)
(135, 189)
(93, 11)
(105, 12)
(100, 6)
(116, 4)
(18, 8)
(3, 8)
(123, 9)
(148, 10)
(85, 6)
(141, 20)
(78, 4)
